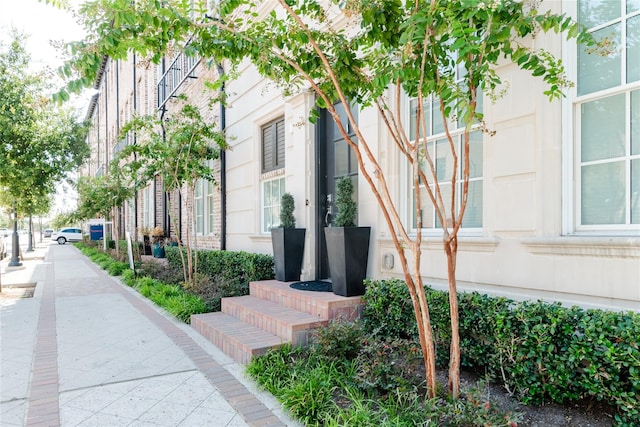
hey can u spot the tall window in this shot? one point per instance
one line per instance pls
(607, 110)
(147, 210)
(272, 191)
(438, 147)
(198, 202)
(204, 207)
(273, 145)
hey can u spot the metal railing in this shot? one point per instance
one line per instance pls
(180, 69)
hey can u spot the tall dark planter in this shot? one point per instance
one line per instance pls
(146, 244)
(288, 251)
(348, 250)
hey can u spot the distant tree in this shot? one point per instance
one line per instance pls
(40, 141)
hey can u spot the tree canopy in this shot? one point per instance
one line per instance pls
(40, 140)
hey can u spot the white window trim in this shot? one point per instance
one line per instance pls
(267, 177)
(406, 204)
(260, 177)
(571, 176)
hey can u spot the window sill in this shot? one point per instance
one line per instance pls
(264, 238)
(615, 247)
(465, 243)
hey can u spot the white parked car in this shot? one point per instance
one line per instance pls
(67, 235)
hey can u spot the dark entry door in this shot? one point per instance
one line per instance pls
(335, 160)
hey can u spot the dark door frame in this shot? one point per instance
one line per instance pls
(325, 184)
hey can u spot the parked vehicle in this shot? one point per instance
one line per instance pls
(4, 232)
(67, 235)
(47, 232)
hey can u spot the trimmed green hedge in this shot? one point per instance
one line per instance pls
(230, 266)
(541, 351)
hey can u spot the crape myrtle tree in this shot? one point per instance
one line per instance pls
(179, 148)
(368, 53)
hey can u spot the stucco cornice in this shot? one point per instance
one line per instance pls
(614, 247)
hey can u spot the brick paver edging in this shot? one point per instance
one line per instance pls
(254, 412)
(43, 407)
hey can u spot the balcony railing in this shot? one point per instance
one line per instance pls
(181, 68)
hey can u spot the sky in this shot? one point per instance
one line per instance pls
(43, 22)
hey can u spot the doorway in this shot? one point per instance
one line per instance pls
(335, 159)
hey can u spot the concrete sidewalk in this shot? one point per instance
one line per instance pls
(89, 351)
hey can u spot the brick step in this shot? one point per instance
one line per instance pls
(288, 323)
(323, 305)
(237, 339)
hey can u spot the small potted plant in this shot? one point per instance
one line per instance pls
(157, 241)
(347, 244)
(288, 243)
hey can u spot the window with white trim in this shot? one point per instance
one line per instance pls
(198, 202)
(607, 114)
(439, 150)
(147, 204)
(272, 165)
(204, 206)
(272, 191)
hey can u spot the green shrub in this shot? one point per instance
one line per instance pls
(116, 268)
(232, 266)
(339, 340)
(396, 364)
(541, 351)
(213, 290)
(128, 277)
(223, 273)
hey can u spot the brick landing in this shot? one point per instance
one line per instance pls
(273, 314)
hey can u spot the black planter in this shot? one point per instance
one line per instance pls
(288, 251)
(146, 245)
(348, 250)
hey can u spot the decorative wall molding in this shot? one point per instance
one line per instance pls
(613, 247)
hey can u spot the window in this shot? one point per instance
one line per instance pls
(272, 191)
(439, 150)
(273, 145)
(204, 206)
(147, 213)
(198, 203)
(607, 111)
(210, 208)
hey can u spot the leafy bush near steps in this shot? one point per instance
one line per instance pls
(540, 351)
(223, 273)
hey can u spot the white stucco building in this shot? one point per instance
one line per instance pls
(554, 211)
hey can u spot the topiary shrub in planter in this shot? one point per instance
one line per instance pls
(347, 244)
(288, 243)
